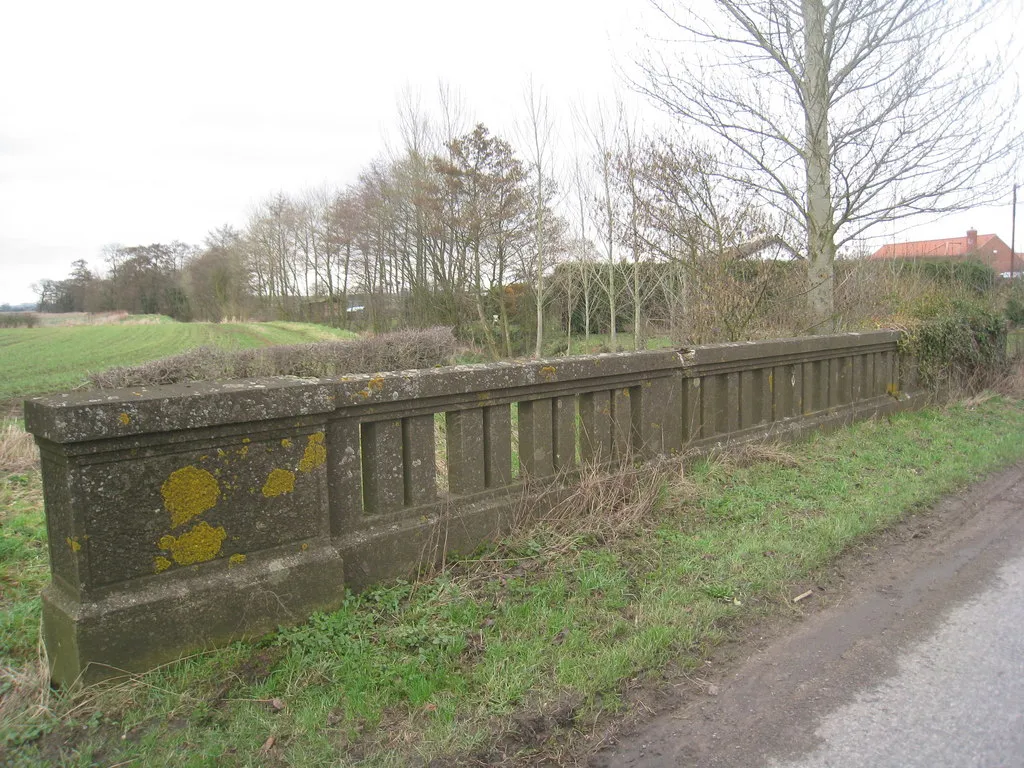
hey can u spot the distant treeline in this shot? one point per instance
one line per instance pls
(461, 229)
(26, 307)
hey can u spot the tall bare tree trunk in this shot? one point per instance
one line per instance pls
(613, 341)
(539, 129)
(821, 245)
(539, 348)
(485, 324)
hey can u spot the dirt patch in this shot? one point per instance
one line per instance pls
(758, 696)
(255, 669)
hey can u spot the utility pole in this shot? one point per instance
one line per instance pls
(1013, 234)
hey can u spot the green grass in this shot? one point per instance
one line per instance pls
(23, 564)
(449, 666)
(47, 359)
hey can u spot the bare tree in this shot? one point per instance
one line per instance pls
(626, 171)
(583, 252)
(601, 135)
(538, 130)
(844, 114)
(719, 248)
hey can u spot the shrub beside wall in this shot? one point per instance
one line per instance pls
(961, 346)
(385, 352)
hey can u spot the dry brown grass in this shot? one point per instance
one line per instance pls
(604, 502)
(1011, 384)
(608, 503)
(25, 692)
(760, 453)
(387, 352)
(87, 318)
(18, 452)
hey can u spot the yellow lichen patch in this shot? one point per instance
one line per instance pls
(125, 419)
(243, 451)
(246, 440)
(73, 544)
(160, 564)
(188, 492)
(279, 481)
(376, 383)
(198, 545)
(548, 371)
(237, 559)
(286, 443)
(315, 454)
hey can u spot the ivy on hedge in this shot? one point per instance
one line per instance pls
(962, 345)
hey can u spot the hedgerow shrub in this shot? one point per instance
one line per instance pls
(18, 320)
(962, 345)
(973, 275)
(385, 352)
(1015, 306)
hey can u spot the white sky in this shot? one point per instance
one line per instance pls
(138, 123)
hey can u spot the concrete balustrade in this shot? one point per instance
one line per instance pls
(186, 516)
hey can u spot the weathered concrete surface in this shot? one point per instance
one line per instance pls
(465, 438)
(150, 623)
(157, 498)
(498, 446)
(149, 531)
(86, 416)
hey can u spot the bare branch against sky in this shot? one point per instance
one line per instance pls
(845, 115)
(142, 123)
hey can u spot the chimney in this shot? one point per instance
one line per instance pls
(972, 240)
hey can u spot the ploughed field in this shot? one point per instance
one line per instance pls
(36, 361)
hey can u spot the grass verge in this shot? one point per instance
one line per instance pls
(509, 655)
(50, 358)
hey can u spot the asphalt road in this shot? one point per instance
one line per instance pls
(917, 661)
(957, 699)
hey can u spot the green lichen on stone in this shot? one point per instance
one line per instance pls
(315, 454)
(198, 545)
(279, 481)
(189, 492)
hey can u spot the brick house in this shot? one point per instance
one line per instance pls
(988, 249)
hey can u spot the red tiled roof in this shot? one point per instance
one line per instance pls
(929, 249)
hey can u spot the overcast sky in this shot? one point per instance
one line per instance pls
(140, 122)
